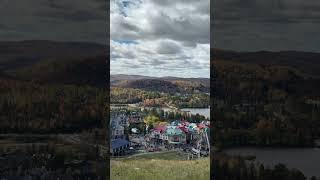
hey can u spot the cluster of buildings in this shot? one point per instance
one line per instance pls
(119, 121)
(176, 134)
(181, 133)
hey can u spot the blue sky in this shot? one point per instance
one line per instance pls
(160, 38)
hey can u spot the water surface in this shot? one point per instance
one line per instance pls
(202, 111)
(306, 160)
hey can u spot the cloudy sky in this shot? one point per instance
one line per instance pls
(160, 37)
(252, 25)
(61, 20)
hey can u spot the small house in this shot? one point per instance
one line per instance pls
(158, 134)
(117, 131)
(119, 147)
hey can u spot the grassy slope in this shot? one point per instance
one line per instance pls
(160, 166)
(160, 170)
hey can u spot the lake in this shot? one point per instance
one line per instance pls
(307, 160)
(202, 111)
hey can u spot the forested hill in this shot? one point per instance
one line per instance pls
(16, 54)
(89, 71)
(42, 61)
(161, 84)
(20, 53)
(152, 85)
(306, 62)
(266, 98)
(52, 87)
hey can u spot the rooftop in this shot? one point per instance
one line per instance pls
(117, 143)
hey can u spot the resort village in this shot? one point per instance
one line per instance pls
(136, 131)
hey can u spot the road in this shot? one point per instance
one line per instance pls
(76, 139)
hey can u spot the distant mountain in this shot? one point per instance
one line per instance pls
(54, 62)
(307, 62)
(115, 80)
(153, 85)
(89, 71)
(17, 54)
(120, 77)
(162, 84)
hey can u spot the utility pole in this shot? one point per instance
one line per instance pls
(208, 142)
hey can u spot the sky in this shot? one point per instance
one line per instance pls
(160, 37)
(167, 37)
(272, 25)
(59, 20)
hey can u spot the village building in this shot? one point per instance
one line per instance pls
(157, 134)
(178, 134)
(135, 118)
(119, 147)
(118, 122)
(175, 135)
(138, 142)
(121, 119)
(117, 126)
(117, 131)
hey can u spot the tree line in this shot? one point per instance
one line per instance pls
(43, 108)
(158, 99)
(237, 168)
(264, 105)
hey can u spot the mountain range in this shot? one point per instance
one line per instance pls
(162, 84)
(307, 63)
(16, 54)
(54, 62)
(86, 63)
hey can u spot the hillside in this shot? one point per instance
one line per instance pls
(78, 63)
(89, 71)
(160, 169)
(50, 90)
(52, 86)
(119, 78)
(307, 62)
(161, 84)
(266, 98)
(152, 85)
(16, 54)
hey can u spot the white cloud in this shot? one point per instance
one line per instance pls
(274, 25)
(62, 20)
(160, 38)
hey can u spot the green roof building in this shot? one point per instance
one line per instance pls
(175, 135)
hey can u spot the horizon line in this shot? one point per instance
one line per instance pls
(160, 76)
